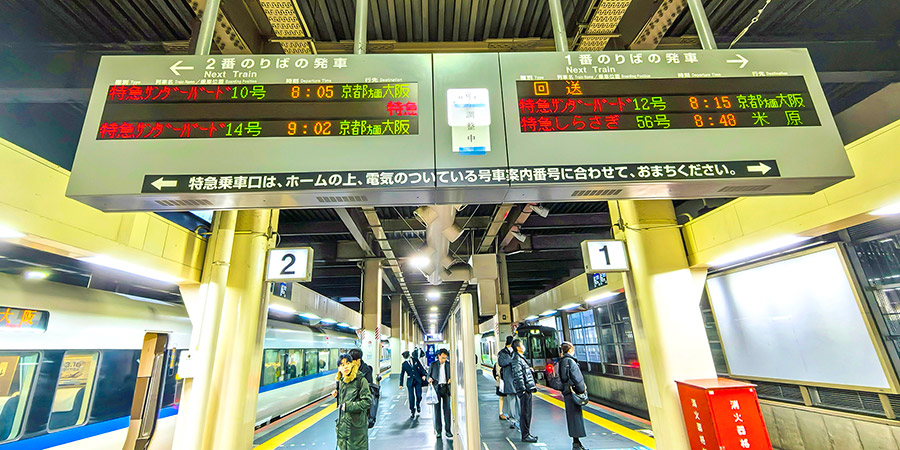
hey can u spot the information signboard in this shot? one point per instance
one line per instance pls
(182, 132)
(666, 124)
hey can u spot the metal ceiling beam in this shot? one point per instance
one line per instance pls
(493, 229)
(391, 46)
(354, 230)
(513, 225)
(567, 221)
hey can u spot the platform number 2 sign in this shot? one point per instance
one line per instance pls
(604, 256)
(289, 264)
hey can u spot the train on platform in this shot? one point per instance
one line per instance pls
(541, 347)
(69, 383)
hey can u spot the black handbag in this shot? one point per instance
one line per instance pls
(582, 398)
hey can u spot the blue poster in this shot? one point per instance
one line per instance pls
(430, 353)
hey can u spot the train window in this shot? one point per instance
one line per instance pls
(271, 367)
(294, 367)
(324, 361)
(73, 390)
(536, 349)
(17, 372)
(333, 357)
(311, 362)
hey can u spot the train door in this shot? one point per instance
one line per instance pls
(147, 392)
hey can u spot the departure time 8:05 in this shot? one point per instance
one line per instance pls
(322, 91)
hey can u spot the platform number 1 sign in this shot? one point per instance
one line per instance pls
(289, 264)
(604, 256)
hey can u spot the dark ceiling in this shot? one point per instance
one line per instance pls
(50, 49)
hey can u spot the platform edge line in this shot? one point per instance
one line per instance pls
(629, 434)
(284, 436)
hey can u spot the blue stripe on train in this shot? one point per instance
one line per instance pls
(281, 384)
(83, 432)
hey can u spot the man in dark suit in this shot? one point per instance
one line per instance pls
(439, 377)
(415, 374)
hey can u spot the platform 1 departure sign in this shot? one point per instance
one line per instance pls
(185, 132)
(667, 124)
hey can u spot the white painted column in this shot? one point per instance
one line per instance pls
(371, 312)
(396, 333)
(664, 302)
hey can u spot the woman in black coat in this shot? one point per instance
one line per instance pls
(572, 378)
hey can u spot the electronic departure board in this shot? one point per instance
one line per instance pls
(667, 124)
(257, 131)
(663, 104)
(259, 110)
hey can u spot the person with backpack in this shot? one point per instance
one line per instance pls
(353, 402)
(523, 380)
(366, 372)
(505, 359)
(574, 393)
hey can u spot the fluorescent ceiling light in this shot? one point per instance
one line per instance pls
(9, 233)
(344, 324)
(309, 316)
(603, 296)
(759, 249)
(106, 261)
(531, 318)
(328, 321)
(893, 208)
(420, 261)
(434, 308)
(548, 312)
(35, 275)
(569, 306)
(282, 308)
(433, 295)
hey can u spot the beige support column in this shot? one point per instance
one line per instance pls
(465, 389)
(371, 311)
(396, 333)
(207, 302)
(242, 333)
(664, 301)
(503, 318)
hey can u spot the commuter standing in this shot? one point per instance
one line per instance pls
(415, 375)
(505, 359)
(573, 380)
(523, 379)
(439, 377)
(500, 395)
(364, 369)
(354, 401)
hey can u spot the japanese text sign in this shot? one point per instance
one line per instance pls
(722, 414)
(19, 319)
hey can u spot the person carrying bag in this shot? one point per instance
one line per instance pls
(353, 402)
(574, 394)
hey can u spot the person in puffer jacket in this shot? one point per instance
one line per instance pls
(353, 402)
(523, 380)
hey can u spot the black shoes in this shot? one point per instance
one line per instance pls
(449, 435)
(530, 438)
(439, 435)
(577, 446)
(418, 410)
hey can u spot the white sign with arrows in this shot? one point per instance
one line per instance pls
(741, 60)
(177, 67)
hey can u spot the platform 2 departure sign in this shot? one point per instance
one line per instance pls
(667, 124)
(181, 132)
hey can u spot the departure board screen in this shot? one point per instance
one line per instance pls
(259, 110)
(661, 104)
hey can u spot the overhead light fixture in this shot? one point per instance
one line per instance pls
(434, 308)
(9, 233)
(548, 312)
(282, 308)
(328, 321)
(569, 306)
(893, 208)
(540, 210)
(309, 316)
(106, 261)
(759, 249)
(518, 235)
(433, 294)
(35, 275)
(344, 325)
(531, 318)
(604, 296)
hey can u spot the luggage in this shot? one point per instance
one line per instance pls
(373, 410)
(553, 379)
(431, 397)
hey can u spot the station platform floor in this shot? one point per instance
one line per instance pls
(313, 427)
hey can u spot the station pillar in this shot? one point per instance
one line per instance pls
(663, 296)
(396, 333)
(503, 317)
(460, 337)
(371, 312)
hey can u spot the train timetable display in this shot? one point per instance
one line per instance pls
(197, 111)
(662, 104)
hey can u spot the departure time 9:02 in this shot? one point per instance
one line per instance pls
(319, 128)
(322, 91)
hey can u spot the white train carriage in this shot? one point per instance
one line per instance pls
(67, 376)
